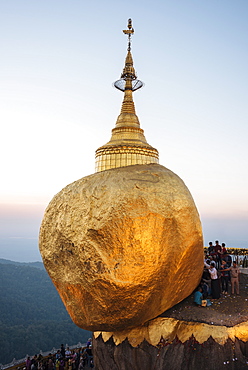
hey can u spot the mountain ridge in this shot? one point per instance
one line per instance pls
(32, 315)
(36, 264)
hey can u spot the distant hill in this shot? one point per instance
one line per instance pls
(32, 315)
(30, 264)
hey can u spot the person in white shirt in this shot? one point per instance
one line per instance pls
(215, 282)
(67, 354)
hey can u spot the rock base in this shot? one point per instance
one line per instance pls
(190, 355)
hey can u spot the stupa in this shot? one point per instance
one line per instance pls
(124, 244)
(128, 145)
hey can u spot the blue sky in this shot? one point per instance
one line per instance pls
(57, 104)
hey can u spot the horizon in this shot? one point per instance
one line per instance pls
(58, 63)
(19, 237)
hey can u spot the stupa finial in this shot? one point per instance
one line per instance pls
(129, 32)
(128, 145)
(128, 80)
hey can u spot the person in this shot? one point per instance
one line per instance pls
(234, 271)
(28, 363)
(69, 364)
(40, 364)
(77, 358)
(62, 351)
(34, 363)
(224, 277)
(227, 258)
(73, 360)
(85, 357)
(67, 353)
(210, 248)
(89, 353)
(217, 251)
(91, 363)
(50, 365)
(58, 355)
(61, 363)
(223, 249)
(57, 363)
(206, 282)
(89, 342)
(198, 297)
(81, 364)
(215, 284)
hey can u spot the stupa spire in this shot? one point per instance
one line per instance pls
(128, 145)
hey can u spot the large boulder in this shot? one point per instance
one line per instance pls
(122, 246)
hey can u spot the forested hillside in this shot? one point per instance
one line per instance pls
(32, 316)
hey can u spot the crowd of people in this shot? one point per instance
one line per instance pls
(63, 359)
(219, 270)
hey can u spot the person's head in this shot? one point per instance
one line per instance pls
(199, 289)
(223, 245)
(223, 262)
(210, 243)
(217, 242)
(234, 263)
(212, 264)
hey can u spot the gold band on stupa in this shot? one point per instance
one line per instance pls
(128, 145)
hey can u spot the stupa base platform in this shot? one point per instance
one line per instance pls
(170, 344)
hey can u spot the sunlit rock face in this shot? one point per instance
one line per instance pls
(122, 246)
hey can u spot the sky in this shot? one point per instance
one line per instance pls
(58, 61)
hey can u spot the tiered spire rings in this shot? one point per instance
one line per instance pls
(128, 145)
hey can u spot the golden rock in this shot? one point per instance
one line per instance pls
(122, 246)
